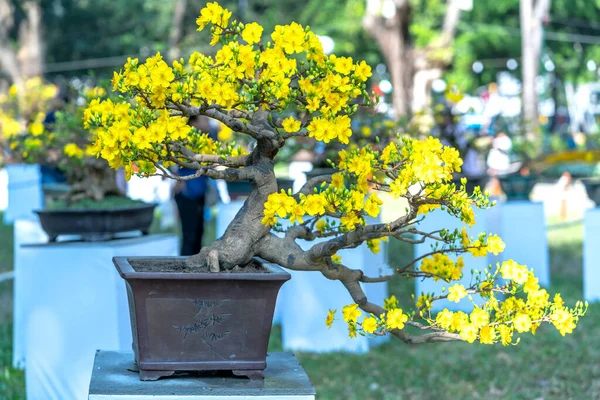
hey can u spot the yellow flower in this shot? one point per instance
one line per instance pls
(369, 325)
(456, 293)
(506, 333)
(290, 125)
(469, 333)
(395, 319)
(252, 33)
(352, 330)
(343, 65)
(479, 317)
(478, 249)
(362, 71)
(487, 334)
(225, 133)
(563, 321)
(351, 312)
(515, 272)
(336, 258)
(330, 318)
(36, 128)
(522, 322)
(72, 150)
(495, 245)
(391, 303)
(372, 205)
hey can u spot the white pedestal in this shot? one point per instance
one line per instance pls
(226, 213)
(114, 377)
(520, 224)
(297, 171)
(70, 301)
(308, 296)
(156, 190)
(3, 189)
(591, 255)
(439, 219)
(24, 191)
(523, 229)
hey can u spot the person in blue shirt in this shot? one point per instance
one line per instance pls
(190, 197)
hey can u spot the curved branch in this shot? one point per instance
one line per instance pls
(228, 161)
(314, 182)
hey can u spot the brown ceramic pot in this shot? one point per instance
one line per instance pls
(200, 321)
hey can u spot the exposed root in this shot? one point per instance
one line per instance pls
(213, 261)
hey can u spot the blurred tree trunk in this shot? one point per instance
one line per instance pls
(31, 42)
(28, 59)
(533, 13)
(411, 69)
(176, 29)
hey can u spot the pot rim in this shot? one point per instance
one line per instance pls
(95, 210)
(276, 273)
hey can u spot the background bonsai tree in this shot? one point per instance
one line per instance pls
(249, 85)
(24, 114)
(64, 143)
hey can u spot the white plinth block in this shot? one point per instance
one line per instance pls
(226, 213)
(70, 301)
(439, 219)
(523, 229)
(308, 296)
(591, 255)
(114, 377)
(25, 192)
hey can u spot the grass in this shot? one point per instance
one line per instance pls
(547, 366)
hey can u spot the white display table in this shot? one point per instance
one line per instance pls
(157, 190)
(114, 377)
(591, 255)
(25, 192)
(70, 301)
(306, 298)
(3, 189)
(439, 219)
(523, 229)
(520, 224)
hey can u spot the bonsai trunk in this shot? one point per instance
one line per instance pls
(93, 181)
(238, 244)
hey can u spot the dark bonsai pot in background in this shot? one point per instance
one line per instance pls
(244, 188)
(592, 186)
(516, 186)
(96, 224)
(199, 321)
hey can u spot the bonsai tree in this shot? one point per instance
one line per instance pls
(249, 85)
(24, 113)
(64, 143)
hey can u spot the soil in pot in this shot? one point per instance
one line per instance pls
(179, 266)
(189, 321)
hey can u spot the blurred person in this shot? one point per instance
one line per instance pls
(190, 197)
(492, 109)
(498, 159)
(52, 174)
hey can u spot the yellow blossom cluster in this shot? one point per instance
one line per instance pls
(440, 266)
(24, 109)
(393, 318)
(247, 73)
(496, 320)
